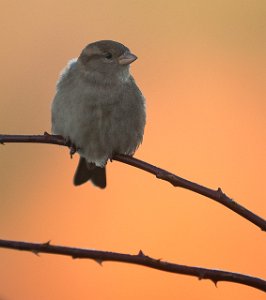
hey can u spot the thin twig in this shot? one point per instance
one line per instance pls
(175, 180)
(138, 259)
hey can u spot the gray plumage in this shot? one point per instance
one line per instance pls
(99, 108)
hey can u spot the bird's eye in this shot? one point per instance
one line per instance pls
(109, 55)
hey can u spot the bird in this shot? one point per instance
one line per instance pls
(99, 109)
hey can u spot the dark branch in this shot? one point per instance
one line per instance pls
(138, 259)
(216, 195)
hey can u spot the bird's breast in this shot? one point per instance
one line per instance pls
(100, 121)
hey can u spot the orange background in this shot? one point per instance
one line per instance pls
(201, 67)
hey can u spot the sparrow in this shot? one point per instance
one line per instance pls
(98, 108)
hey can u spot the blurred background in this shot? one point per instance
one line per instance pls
(202, 70)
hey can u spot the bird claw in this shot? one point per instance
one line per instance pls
(72, 148)
(111, 157)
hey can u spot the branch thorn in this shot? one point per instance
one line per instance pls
(36, 252)
(215, 282)
(46, 244)
(99, 261)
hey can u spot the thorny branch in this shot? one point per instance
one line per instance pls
(138, 259)
(175, 180)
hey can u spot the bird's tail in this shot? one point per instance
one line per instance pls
(88, 171)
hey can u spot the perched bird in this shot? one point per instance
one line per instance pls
(98, 108)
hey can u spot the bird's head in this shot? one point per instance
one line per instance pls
(106, 58)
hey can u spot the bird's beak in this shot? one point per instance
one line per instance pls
(126, 58)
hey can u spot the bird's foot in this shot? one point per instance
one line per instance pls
(72, 148)
(111, 158)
